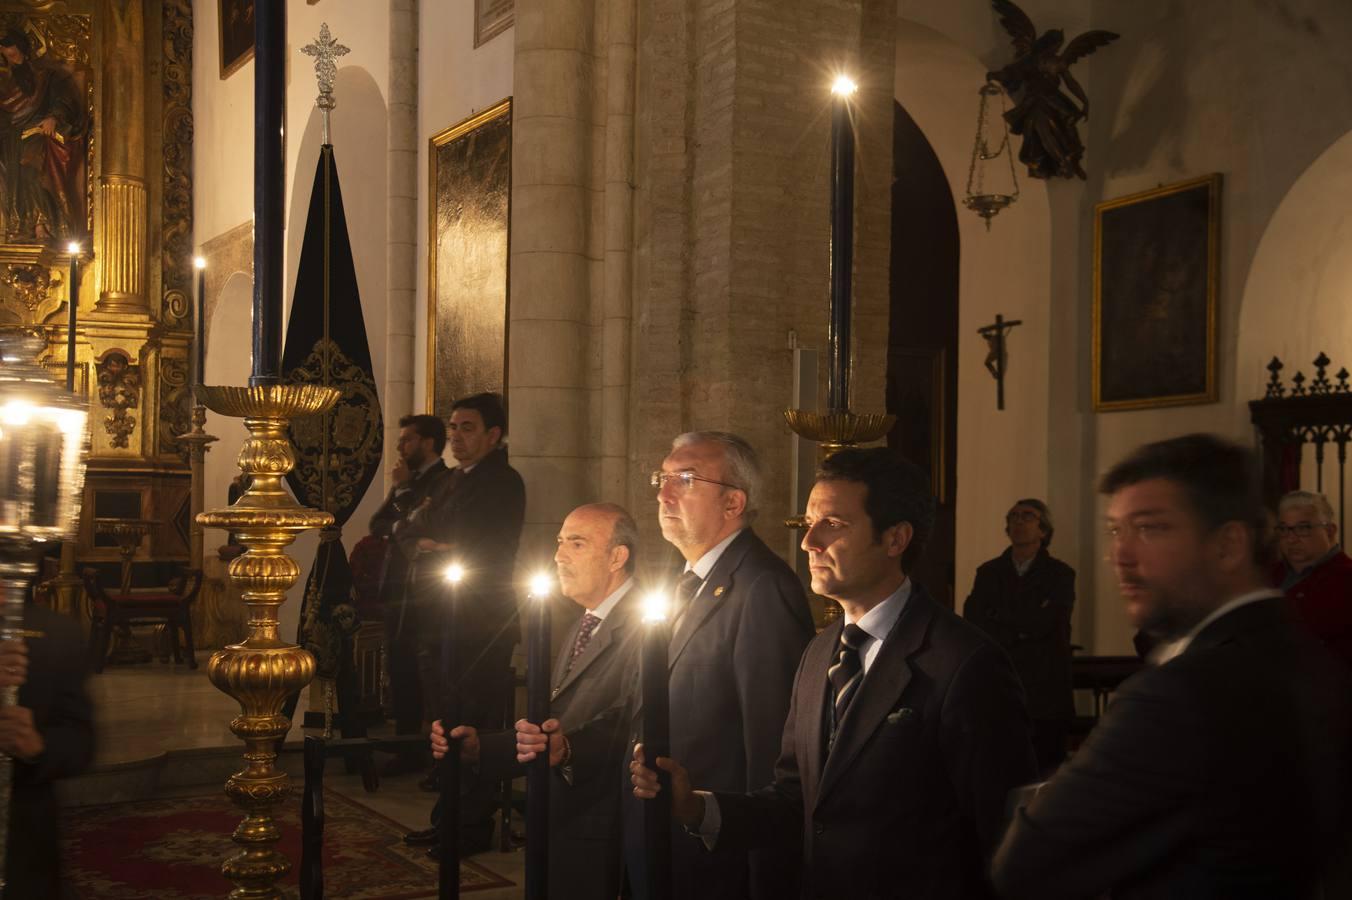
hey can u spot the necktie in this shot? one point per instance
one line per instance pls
(686, 589)
(584, 636)
(848, 670)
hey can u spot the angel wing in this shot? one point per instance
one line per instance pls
(1086, 44)
(1017, 23)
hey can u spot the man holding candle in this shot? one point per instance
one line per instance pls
(596, 556)
(907, 728)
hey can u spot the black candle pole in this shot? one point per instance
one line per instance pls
(842, 245)
(656, 742)
(448, 774)
(199, 350)
(269, 187)
(74, 302)
(537, 711)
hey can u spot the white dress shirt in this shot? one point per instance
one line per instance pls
(612, 600)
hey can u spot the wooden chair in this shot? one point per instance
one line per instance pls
(172, 608)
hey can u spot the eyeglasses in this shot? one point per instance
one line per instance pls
(684, 480)
(1300, 529)
(1022, 515)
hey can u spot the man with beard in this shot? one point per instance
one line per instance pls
(42, 145)
(1220, 771)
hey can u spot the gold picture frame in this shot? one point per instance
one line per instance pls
(468, 246)
(1156, 280)
(492, 18)
(235, 28)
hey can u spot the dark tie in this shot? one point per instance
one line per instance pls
(848, 670)
(584, 636)
(686, 589)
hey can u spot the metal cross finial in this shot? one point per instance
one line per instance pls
(325, 50)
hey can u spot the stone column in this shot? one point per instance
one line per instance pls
(121, 250)
(401, 253)
(551, 268)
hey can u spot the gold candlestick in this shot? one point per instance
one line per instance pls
(262, 670)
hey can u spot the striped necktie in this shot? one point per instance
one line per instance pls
(848, 670)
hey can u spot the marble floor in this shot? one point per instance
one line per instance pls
(163, 727)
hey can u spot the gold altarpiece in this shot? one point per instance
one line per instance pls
(96, 120)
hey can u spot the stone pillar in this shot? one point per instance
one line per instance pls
(551, 267)
(401, 253)
(121, 250)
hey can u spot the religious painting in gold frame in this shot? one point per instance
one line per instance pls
(469, 228)
(1156, 277)
(46, 132)
(492, 18)
(236, 30)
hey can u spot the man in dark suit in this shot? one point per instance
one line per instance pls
(50, 735)
(907, 729)
(471, 518)
(1023, 599)
(595, 559)
(1221, 770)
(418, 470)
(1315, 572)
(740, 625)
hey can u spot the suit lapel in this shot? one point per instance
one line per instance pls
(605, 634)
(811, 722)
(882, 688)
(716, 588)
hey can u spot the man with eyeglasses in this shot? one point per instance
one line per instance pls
(1316, 575)
(739, 626)
(1219, 771)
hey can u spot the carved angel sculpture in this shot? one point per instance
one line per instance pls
(1043, 114)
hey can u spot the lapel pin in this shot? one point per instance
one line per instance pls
(718, 591)
(900, 715)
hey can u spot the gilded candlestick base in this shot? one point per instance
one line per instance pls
(262, 670)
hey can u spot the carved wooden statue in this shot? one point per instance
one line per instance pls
(1044, 115)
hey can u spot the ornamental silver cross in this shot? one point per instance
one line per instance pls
(325, 50)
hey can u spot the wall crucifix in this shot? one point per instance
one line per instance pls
(997, 355)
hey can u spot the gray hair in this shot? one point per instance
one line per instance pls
(623, 530)
(1307, 498)
(742, 467)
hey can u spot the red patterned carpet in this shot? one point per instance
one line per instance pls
(173, 849)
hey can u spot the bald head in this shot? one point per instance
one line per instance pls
(595, 552)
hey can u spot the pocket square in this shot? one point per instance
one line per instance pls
(900, 715)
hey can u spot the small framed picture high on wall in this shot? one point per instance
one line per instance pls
(1156, 277)
(236, 23)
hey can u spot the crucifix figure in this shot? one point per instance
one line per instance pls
(997, 356)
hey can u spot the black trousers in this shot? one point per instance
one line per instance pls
(401, 665)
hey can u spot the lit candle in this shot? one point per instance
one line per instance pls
(537, 711)
(269, 188)
(199, 353)
(842, 244)
(657, 741)
(73, 301)
(448, 877)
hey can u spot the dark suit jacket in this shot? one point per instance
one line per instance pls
(398, 504)
(732, 660)
(911, 799)
(1029, 616)
(480, 514)
(55, 692)
(1220, 774)
(584, 803)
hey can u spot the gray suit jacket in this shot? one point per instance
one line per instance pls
(584, 803)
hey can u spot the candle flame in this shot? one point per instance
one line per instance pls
(73, 248)
(455, 573)
(199, 262)
(541, 585)
(844, 86)
(656, 607)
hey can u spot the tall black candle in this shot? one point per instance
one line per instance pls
(269, 187)
(199, 349)
(842, 245)
(448, 870)
(73, 300)
(656, 742)
(537, 711)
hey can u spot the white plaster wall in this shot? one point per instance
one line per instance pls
(230, 364)
(1001, 456)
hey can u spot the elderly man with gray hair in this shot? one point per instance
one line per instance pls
(1315, 574)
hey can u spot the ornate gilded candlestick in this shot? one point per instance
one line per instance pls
(262, 670)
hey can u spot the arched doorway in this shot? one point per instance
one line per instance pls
(922, 375)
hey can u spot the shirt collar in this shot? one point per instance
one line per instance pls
(422, 470)
(1164, 652)
(705, 564)
(608, 605)
(877, 622)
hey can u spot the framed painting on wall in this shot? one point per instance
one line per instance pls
(470, 191)
(237, 34)
(1156, 274)
(492, 18)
